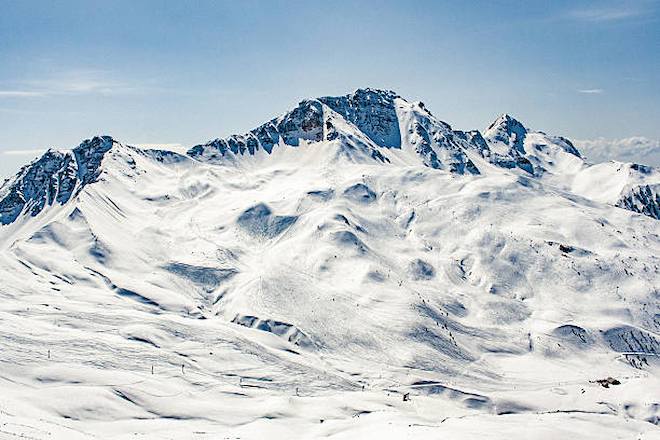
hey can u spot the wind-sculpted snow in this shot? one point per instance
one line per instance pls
(360, 193)
(282, 329)
(259, 220)
(574, 335)
(421, 270)
(207, 277)
(304, 288)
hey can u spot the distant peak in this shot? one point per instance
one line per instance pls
(508, 130)
(507, 121)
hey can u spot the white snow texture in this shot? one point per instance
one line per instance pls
(352, 269)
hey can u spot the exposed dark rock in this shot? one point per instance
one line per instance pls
(54, 177)
(605, 383)
(373, 112)
(440, 147)
(303, 122)
(644, 199)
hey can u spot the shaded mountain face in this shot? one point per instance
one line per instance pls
(373, 112)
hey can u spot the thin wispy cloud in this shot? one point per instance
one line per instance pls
(25, 152)
(74, 82)
(19, 94)
(591, 91)
(600, 15)
(80, 82)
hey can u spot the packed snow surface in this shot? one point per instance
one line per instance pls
(352, 269)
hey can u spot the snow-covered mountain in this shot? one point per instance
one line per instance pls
(352, 268)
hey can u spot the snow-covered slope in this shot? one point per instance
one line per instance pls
(353, 268)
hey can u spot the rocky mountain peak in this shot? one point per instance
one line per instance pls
(508, 131)
(53, 178)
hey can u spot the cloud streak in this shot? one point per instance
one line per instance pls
(19, 94)
(603, 15)
(25, 152)
(591, 91)
(74, 82)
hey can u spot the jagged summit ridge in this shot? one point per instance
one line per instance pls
(371, 111)
(305, 122)
(370, 123)
(369, 126)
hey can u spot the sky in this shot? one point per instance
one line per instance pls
(179, 73)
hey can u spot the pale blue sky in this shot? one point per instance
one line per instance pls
(187, 71)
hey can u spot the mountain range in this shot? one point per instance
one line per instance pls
(353, 268)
